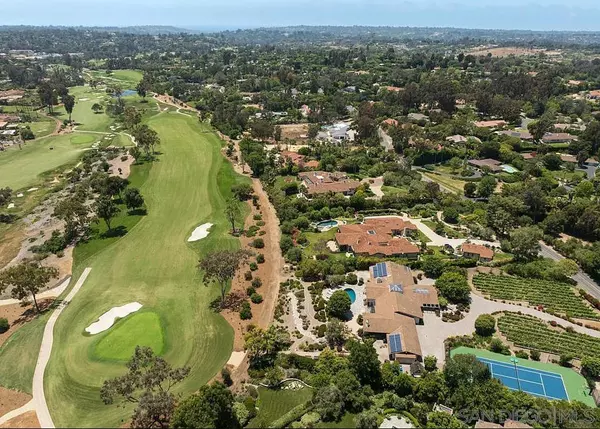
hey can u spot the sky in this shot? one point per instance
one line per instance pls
(233, 14)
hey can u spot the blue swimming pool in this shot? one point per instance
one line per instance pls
(128, 92)
(327, 224)
(352, 294)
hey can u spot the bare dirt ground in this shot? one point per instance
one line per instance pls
(17, 315)
(26, 420)
(121, 168)
(505, 51)
(294, 131)
(11, 400)
(172, 101)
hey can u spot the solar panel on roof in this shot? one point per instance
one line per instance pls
(395, 343)
(422, 291)
(396, 288)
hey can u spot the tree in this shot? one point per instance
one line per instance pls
(106, 209)
(451, 215)
(97, 108)
(133, 198)
(211, 407)
(148, 384)
(132, 117)
(525, 243)
(114, 185)
(366, 420)
(242, 191)
(552, 161)
(143, 87)
(486, 187)
(263, 345)
(364, 362)
(470, 188)
(329, 403)
(430, 363)
(339, 305)
(336, 333)
(25, 279)
(465, 370)
(443, 420)
(69, 103)
(430, 388)
(539, 128)
(455, 163)
(313, 130)
(74, 212)
(454, 287)
(146, 138)
(590, 366)
(48, 96)
(356, 397)
(277, 133)
(232, 211)
(221, 266)
(485, 325)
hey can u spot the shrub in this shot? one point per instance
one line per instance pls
(485, 325)
(535, 355)
(256, 298)
(245, 311)
(590, 366)
(430, 363)
(256, 283)
(226, 376)
(260, 258)
(497, 346)
(321, 330)
(351, 279)
(250, 291)
(565, 359)
(253, 266)
(258, 243)
(4, 325)
(248, 275)
(522, 354)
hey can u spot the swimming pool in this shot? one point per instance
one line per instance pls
(327, 224)
(128, 92)
(351, 293)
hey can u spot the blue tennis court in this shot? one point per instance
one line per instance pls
(533, 381)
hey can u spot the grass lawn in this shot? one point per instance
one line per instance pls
(41, 128)
(118, 342)
(19, 353)
(392, 190)
(575, 384)
(450, 232)
(272, 404)
(317, 242)
(347, 421)
(452, 184)
(154, 265)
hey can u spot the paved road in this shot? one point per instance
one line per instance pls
(434, 331)
(582, 279)
(39, 399)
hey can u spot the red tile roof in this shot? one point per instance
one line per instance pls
(377, 236)
(478, 249)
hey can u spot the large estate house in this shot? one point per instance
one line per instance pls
(323, 182)
(378, 236)
(395, 305)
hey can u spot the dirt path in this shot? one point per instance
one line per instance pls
(173, 102)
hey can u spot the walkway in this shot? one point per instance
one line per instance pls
(39, 399)
(434, 332)
(437, 240)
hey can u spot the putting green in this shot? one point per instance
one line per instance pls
(152, 264)
(119, 341)
(82, 139)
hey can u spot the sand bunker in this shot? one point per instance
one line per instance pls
(108, 319)
(11, 206)
(200, 232)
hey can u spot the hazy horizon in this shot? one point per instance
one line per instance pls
(539, 15)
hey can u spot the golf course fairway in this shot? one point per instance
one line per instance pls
(154, 265)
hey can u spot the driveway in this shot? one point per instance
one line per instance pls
(434, 331)
(438, 240)
(385, 139)
(583, 280)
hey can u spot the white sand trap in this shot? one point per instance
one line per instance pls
(236, 359)
(19, 195)
(32, 189)
(11, 206)
(108, 319)
(84, 99)
(200, 232)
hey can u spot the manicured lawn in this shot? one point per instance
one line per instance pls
(139, 329)
(347, 421)
(154, 265)
(575, 384)
(317, 242)
(392, 190)
(19, 354)
(453, 184)
(273, 404)
(21, 168)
